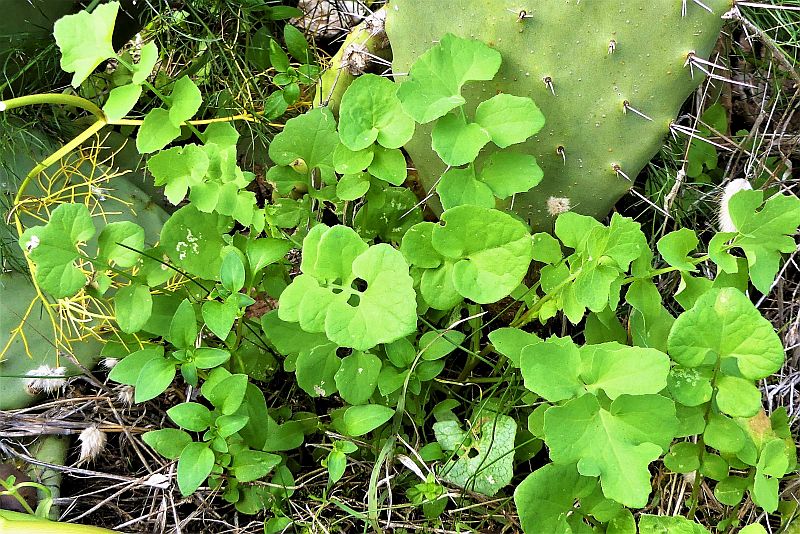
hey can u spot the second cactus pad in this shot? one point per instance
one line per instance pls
(609, 76)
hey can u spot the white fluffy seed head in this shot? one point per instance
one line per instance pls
(45, 379)
(734, 186)
(125, 396)
(558, 205)
(110, 363)
(93, 441)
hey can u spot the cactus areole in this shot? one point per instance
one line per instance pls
(609, 75)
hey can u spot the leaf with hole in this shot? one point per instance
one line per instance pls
(345, 284)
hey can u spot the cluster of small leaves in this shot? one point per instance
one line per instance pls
(377, 308)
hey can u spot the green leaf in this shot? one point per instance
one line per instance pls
(310, 138)
(168, 442)
(388, 165)
(156, 131)
(683, 457)
(194, 466)
(193, 241)
(370, 111)
(508, 173)
(266, 251)
(183, 327)
(436, 345)
(552, 368)
(278, 57)
(324, 298)
(690, 386)
(460, 187)
(208, 357)
(114, 236)
(456, 141)
(546, 497)
(546, 248)
(738, 397)
(730, 491)
(220, 316)
(483, 253)
(179, 168)
(485, 454)
(718, 252)
(249, 465)
(191, 416)
(128, 369)
(723, 434)
(155, 377)
(148, 57)
(724, 324)
(121, 101)
(185, 100)
(359, 420)
(772, 465)
(133, 305)
(357, 377)
(766, 233)
(653, 524)
(619, 369)
(617, 444)
(353, 186)
(434, 84)
(511, 341)
(85, 40)
(231, 273)
(509, 119)
(53, 248)
(388, 213)
(348, 161)
(675, 247)
(296, 43)
(228, 394)
(316, 370)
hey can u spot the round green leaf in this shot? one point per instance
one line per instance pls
(738, 397)
(460, 187)
(53, 248)
(370, 111)
(508, 173)
(156, 131)
(330, 294)
(121, 101)
(116, 241)
(388, 165)
(191, 416)
(456, 141)
(724, 324)
(193, 241)
(509, 119)
(491, 251)
(353, 186)
(168, 442)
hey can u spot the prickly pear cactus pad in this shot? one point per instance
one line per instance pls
(609, 76)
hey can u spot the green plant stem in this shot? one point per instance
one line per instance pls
(698, 478)
(54, 99)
